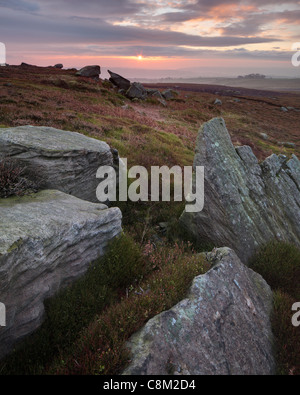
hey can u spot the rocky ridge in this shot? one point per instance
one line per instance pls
(246, 203)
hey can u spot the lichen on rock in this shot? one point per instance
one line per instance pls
(222, 327)
(246, 203)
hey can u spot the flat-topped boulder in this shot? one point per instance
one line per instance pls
(246, 203)
(223, 327)
(90, 72)
(62, 160)
(47, 240)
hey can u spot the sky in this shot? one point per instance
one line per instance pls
(154, 38)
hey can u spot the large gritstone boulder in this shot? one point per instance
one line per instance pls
(90, 72)
(62, 160)
(136, 91)
(222, 327)
(246, 203)
(47, 240)
(118, 80)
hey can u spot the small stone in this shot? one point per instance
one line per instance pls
(162, 102)
(163, 226)
(264, 136)
(286, 144)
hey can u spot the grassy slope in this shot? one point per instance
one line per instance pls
(145, 132)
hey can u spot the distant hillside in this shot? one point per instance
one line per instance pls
(269, 84)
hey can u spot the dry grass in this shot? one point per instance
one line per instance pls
(57, 98)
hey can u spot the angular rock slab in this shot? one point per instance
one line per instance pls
(246, 203)
(136, 91)
(119, 81)
(221, 328)
(47, 240)
(62, 160)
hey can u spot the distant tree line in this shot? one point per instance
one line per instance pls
(253, 76)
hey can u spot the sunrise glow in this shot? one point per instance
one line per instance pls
(196, 35)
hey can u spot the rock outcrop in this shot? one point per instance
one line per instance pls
(136, 91)
(157, 95)
(47, 240)
(90, 72)
(169, 94)
(119, 81)
(222, 327)
(62, 160)
(246, 203)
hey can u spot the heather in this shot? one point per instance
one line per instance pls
(13, 182)
(143, 131)
(279, 264)
(87, 324)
